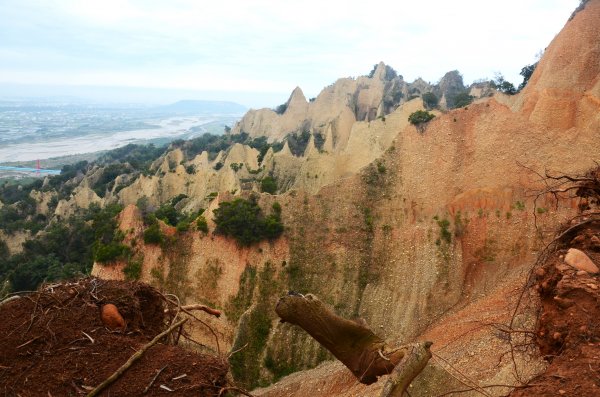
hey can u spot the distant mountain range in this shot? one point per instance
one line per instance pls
(200, 106)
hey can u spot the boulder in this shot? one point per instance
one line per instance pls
(580, 261)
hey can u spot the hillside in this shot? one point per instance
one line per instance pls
(426, 232)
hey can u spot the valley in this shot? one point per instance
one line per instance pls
(424, 212)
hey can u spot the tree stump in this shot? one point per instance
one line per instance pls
(365, 354)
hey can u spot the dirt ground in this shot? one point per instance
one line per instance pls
(44, 349)
(568, 329)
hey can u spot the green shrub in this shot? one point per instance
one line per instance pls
(168, 214)
(105, 253)
(243, 220)
(520, 205)
(236, 166)
(153, 235)
(201, 224)
(133, 270)
(178, 198)
(268, 185)
(420, 117)
(183, 226)
(445, 235)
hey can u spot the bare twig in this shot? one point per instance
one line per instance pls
(28, 342)
(89, 337)
(158, 372)
(237, 351)
(474, 386)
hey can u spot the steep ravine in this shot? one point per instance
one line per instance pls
(436, 230)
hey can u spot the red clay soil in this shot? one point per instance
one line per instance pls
(568, 330)
(44, 351)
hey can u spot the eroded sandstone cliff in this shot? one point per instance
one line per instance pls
(414, 231)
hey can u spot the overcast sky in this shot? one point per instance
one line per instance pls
(256, 51)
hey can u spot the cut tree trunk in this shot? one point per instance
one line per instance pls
(356, 346)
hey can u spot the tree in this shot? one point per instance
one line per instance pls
(460, 100)
(526, 72)
(281, 108)
(430, 101)
(420, 117)
(502, 85)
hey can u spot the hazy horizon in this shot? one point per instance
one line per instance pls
(134, 95)
(256, 53)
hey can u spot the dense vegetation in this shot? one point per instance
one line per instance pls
(139, 157)
(268, 185)
(460, 99)
(390, 73)
(281, 108)
(244, 221)
(210, 143)
(298, 141)
(263, 146)
(63, 250)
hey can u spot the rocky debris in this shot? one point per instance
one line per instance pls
(579, 260)
(568, 331)
(53, 343)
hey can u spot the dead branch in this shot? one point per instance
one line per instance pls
(134, 358)
(209, 310)
(189, 313)
(486, 387)
(9, 299)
